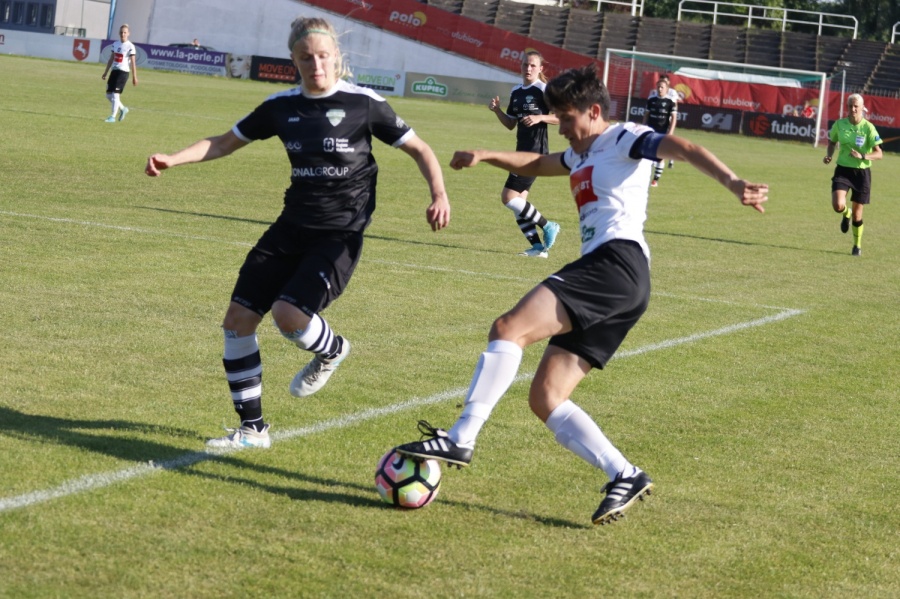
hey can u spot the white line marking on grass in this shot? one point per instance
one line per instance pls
(70, 221)
(92, 482)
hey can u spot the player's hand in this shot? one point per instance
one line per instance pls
(752, 194)
(464, 158)
(134, 81)
(156, 164)
(494, 104)
(103, 76)
(529, 120)
(438, 213)
(827, 160)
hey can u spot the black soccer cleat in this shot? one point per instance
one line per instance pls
(845, 224)
(856, 251)
(621, 494)
(437, 447)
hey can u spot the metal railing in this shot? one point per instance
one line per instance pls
(73, 31)
(894, 31)
(637, 6)
(750, 12)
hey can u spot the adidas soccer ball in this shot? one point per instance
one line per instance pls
(404, 482)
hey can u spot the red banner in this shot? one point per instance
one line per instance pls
(464, 36)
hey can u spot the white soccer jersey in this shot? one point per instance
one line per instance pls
(610, 187)
(122, 53)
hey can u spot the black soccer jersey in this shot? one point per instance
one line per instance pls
(522, 102)
(660, 113)
(328, 140)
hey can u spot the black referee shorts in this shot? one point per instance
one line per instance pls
(604, 293)
(857, 179)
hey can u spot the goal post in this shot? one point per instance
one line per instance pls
(746, 91)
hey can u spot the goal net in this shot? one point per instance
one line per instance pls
(727, 97)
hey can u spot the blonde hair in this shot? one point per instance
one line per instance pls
(304, 26)
(852, 97)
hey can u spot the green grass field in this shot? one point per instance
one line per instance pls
(760, 391)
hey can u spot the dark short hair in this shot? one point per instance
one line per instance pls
(578, 88)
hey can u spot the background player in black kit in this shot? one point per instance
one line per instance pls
(304, 261)
(529, 115)
(661, 115)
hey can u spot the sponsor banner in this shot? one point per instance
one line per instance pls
(454, 89)
(780, 126)
(386, 83)
(168, 58)
(455, 33)
(276, 70)
(46, 45)
(717, 120)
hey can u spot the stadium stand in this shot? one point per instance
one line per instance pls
(480, 10)
(727, 43)
(549, 25)
(619, 32)
(514, 16)
(799, 51)
(763, 47)
(692, 39)
(657, 36)
(583, 32)
(868, 65)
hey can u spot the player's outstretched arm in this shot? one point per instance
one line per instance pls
(201, 151)
(527, 164)
(438, 212)
(677, 148)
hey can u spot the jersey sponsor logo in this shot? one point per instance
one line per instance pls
(337, 144)
(293, 146)
(400, 123)
(335, 116)
(294, 119)
(582, 190)
(330, 172)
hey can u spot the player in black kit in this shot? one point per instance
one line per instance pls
(304, 261)
(529, 115)
(661, 115)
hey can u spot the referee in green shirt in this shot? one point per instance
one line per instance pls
(859, 144)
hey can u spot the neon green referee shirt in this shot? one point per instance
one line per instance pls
(862, 137)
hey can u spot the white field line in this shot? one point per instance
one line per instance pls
(91, 482)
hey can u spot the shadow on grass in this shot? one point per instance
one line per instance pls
(367, 235)
(116, 438)
(747, 243)
(102, 436)
(352, 497)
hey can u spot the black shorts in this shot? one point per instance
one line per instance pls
(116, 81)
(306, 268)
(604, 293)
(857, 179)
(518, 183)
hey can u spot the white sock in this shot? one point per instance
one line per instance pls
(517, 204)
(577, 432)
(495, 372)
(317, 337)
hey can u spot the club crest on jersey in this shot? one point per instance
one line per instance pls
(400, 123)
(335, 116)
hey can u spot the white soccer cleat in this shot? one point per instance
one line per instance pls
(315, 374)
(535, 251)
(241, 438)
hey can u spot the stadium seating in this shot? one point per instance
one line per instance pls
(869, 65)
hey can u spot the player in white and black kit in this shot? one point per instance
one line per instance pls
(304, 261)
(586, 308)
(528, 114)
(661, 115)
(122, 61)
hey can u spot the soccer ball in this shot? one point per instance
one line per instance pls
(404, 482)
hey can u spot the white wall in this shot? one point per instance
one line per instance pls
(92, 16)
(262, 26)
